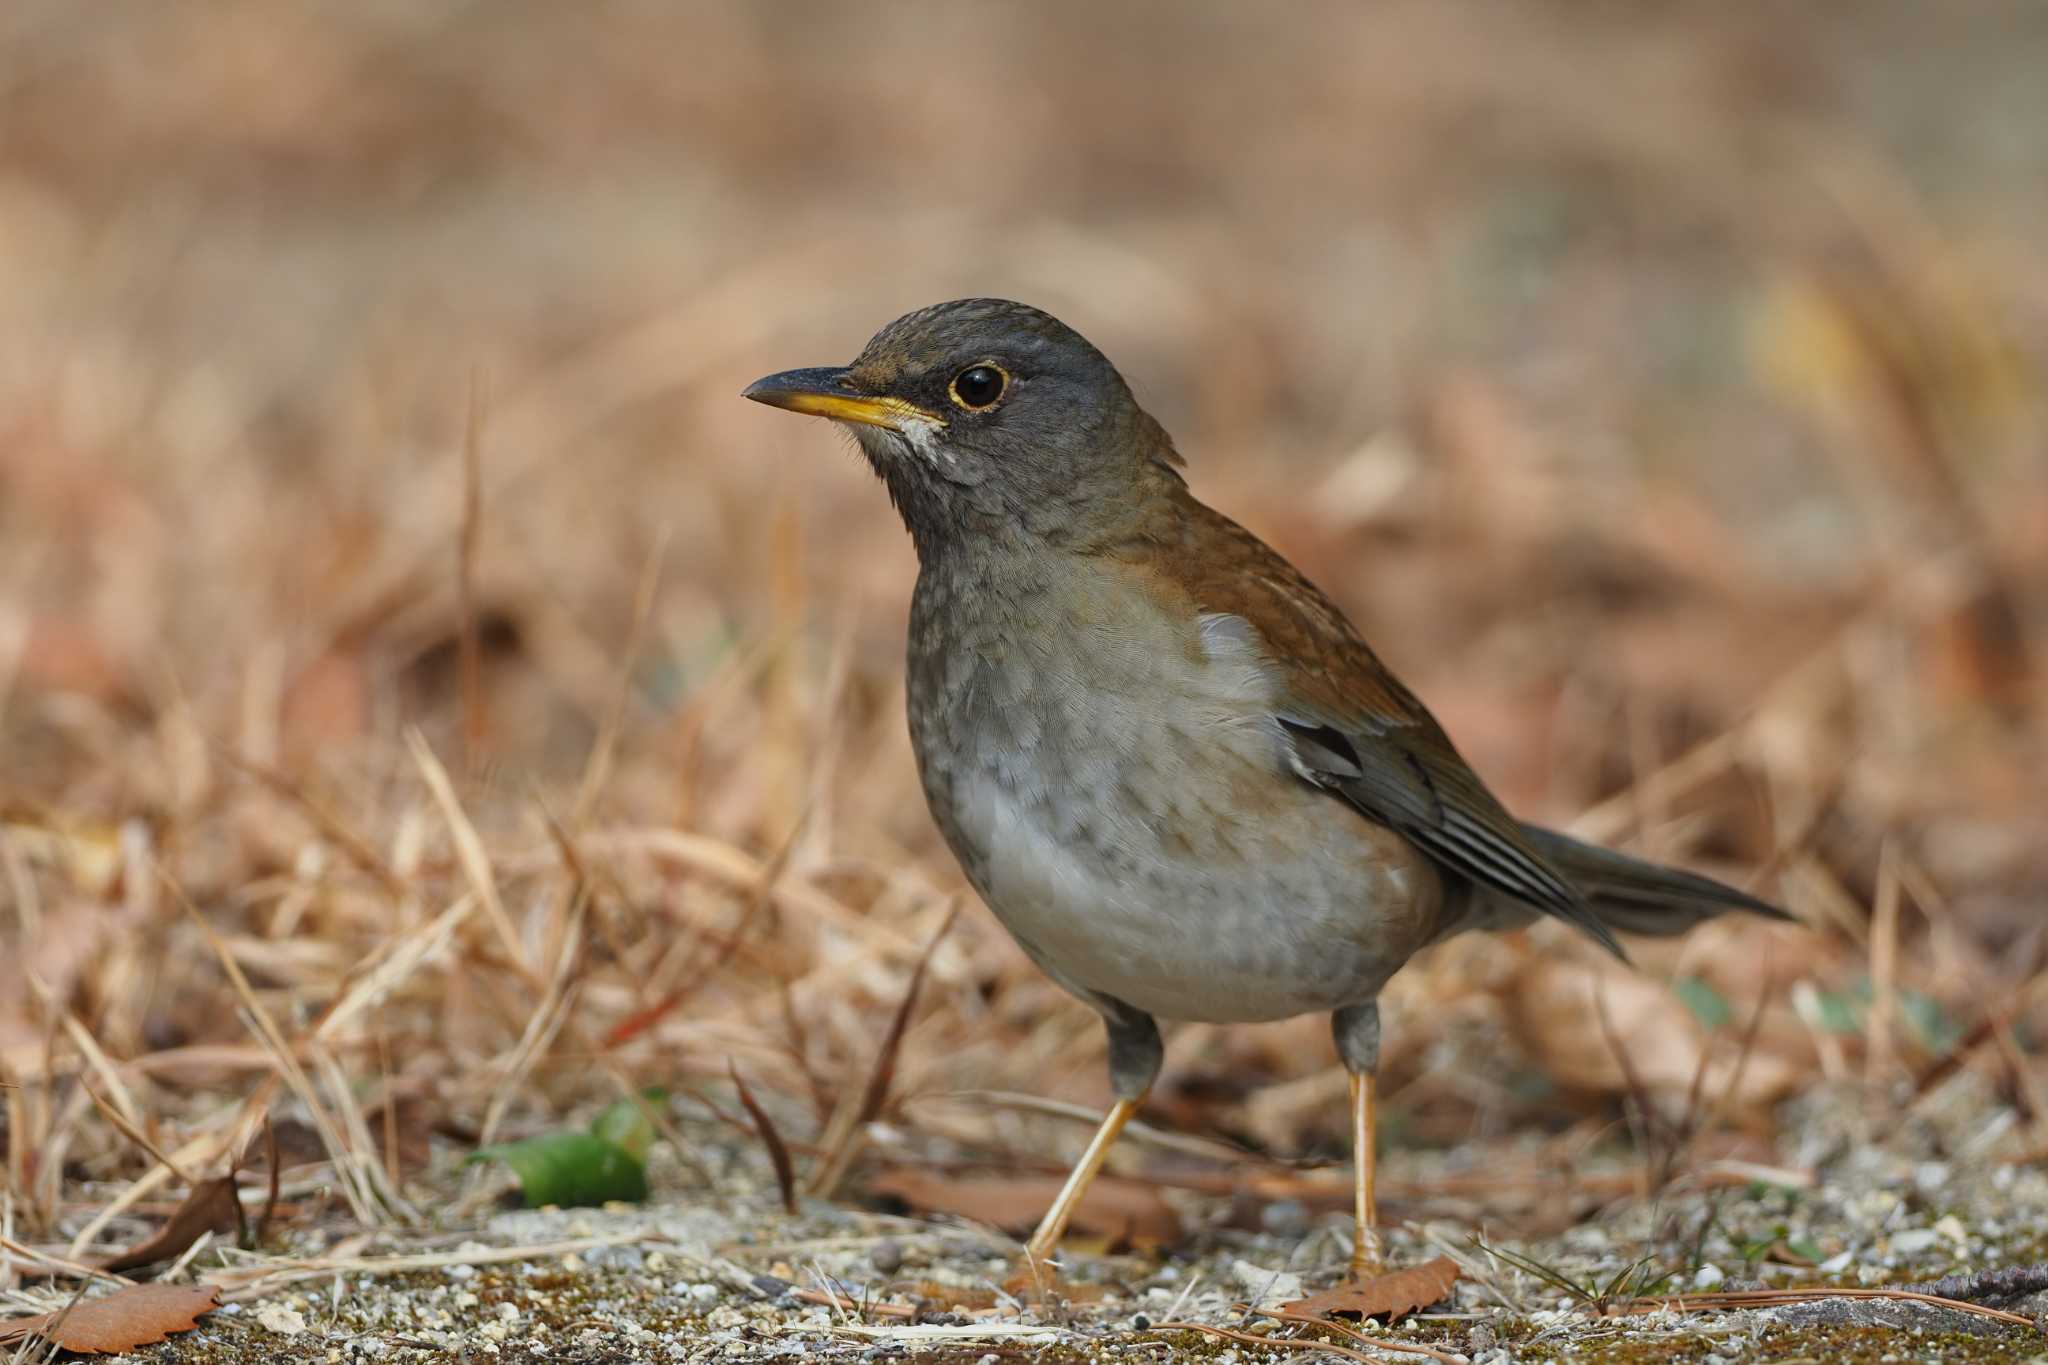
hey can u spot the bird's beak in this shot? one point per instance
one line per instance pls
(824, 392)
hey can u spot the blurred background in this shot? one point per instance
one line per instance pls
(1660, 388)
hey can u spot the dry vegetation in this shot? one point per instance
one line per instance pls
(431, 702)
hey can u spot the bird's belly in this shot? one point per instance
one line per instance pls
(1191, 881)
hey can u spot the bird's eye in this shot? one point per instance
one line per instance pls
(979, 386)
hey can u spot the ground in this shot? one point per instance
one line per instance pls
(688, 1277)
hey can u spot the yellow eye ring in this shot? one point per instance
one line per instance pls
(980, 386)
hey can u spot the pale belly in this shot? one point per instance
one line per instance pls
(1162, 856)
(1311, 911)
(1141, 833)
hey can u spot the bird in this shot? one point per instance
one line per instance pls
(1165, 760)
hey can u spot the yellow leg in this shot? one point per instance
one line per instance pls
(1039, 1250)
(1365, 1251)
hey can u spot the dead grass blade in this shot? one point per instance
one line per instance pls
(771, 1138)
(350, 1178)
(841, 1140)
(469, 640)
(135, 1135)
(469, 851)
(332, 827)
(597, 770)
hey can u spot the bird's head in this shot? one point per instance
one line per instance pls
(989, 418)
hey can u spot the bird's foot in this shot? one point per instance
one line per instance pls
(1367, 1260)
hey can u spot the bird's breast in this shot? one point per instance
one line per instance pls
(1114, 785)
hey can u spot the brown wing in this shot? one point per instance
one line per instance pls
(1355, 729)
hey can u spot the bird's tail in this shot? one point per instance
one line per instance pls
(1641, 897)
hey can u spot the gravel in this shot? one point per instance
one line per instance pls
(690, 1278)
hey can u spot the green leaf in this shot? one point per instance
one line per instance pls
(570, 1169)
(1704, 1001)
(624, 1122)
(1840, 1013)
(1935, 1030)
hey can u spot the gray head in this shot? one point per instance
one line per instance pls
(990, 420)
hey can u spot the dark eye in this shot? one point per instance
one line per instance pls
(979, 386)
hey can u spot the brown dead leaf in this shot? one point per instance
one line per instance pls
(131, 1316)
(1125, 1210)
(211, 1207)
(1392, 1295)
(1556, 1007)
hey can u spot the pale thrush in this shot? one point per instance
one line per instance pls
(1168, 763)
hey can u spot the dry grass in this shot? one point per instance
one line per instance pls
(388, 571)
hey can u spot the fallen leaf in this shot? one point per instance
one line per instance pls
(1392, 1295)
(131, 1316)
(570, 1170)
(211, 1207)
(1121, 1209)
(624, 1122)
(1557, 1009)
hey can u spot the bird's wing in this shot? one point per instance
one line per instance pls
(1354, 729)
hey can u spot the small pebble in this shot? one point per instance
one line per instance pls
(1284, 1218)
(276, 1317)
(887, 1256)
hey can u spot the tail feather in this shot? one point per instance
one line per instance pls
(1640, 897)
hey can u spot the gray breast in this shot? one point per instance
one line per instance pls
(1115, 787)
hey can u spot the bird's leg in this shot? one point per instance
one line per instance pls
(1053, 1226)
(1134, 1057)
(1357, 1029)
(1365, 1250)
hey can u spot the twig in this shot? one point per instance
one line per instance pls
(1771, 1298)
(2008, 1282)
